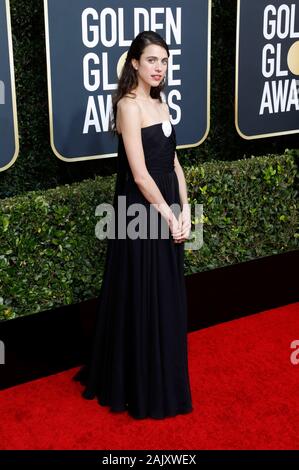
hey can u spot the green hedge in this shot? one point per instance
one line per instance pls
(51, 257)
(250, 209)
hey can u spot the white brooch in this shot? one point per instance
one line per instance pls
(166, 127)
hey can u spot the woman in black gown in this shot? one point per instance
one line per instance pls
(139, 359)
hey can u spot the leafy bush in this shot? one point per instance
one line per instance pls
(50, 255)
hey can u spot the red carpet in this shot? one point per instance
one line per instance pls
(244, 387)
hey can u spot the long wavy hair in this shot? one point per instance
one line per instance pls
(128, 79)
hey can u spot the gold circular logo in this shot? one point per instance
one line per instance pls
(120, 63)
(293, 58)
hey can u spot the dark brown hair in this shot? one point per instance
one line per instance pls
(128, 80)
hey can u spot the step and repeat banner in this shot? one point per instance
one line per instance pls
(267, 68)
(9, 140)
(87, 41)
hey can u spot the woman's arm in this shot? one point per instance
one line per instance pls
(182, 182)
(185, 215)
(184, 219)
(130, 124)
(179, 172)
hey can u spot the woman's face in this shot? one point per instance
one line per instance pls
(152, 65)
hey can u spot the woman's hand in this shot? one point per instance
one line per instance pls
(174, 226)
(184, 222)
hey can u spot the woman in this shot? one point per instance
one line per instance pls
(139, 357)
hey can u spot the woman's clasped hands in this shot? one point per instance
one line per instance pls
(180, 227)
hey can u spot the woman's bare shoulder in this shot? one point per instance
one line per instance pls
(128, 111)
(126, 100)
(127, 105)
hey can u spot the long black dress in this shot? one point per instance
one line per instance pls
(139, 356)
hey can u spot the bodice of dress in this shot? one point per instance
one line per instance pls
(159, 144)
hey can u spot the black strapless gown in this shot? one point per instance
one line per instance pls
(139, 359)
